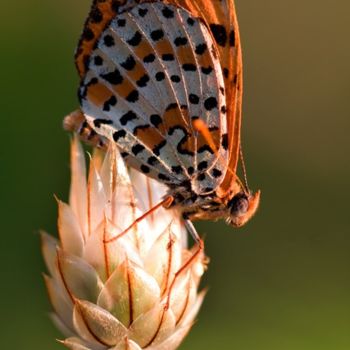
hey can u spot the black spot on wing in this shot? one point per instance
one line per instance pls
(108, 40)
(172, 106)
(224, 141)
(157, 148)
(205, 148)
(189, 67)
(168, 57)
(201, 48)
(88, 34)
(135, 40)
(232, 38)
(194, 99)
(152, 160)
(83, 88)
(140, 127)
(149, 58)
(133, 96)
(219, 33)
(190, 170)
(127, 117)
(202, 165)
(155, 120)
(98, 60)
(136, 149)
(121, 22)
(143, 12)
(157, 34)
(86, 60)
(142, 82)
(114, 77)
(98, 122)
(235, 79)
(180, 41)
(176, 169)
(175, 78)
(129, 63)
(145, 169)
(163, 177)
(160, 76)
(201, 177)
(167, 12)
(210, 103)
(190, 21)
(225, 72)
(96, 15)
(112, 101)
(216, 173)
(207, 70)
(118, 135)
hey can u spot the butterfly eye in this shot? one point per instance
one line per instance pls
(239, 204)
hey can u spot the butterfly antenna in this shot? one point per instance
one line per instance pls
(244, 169)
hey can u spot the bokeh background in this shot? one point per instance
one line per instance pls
(281, 282)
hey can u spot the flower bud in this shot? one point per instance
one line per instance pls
(138, 291)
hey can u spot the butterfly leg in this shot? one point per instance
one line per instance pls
(76, 122)
(166, 202)
(200, 247)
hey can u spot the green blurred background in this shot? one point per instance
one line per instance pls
(283, 281)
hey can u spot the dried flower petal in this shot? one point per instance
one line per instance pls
(113, 289)
(71, 236)
(153, 326)
(100, 322)
(60, 301)
(49, 247)
(164, 259)
(62, 327)
(126, 344)
(74, 343)
(129, 292)
(80, 278)
(78, 189)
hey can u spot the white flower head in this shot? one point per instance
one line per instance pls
(136, 291)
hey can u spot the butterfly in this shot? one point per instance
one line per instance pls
(163, 80)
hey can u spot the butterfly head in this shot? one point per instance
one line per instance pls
(242, 207)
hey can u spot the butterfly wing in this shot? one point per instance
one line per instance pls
(101, 13)
(220, 17)
(153, 70)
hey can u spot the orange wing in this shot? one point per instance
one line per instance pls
(220, 17)
(101, 13)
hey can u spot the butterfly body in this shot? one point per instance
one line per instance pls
(149, 72)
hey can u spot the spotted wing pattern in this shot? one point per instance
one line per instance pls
(220, 17)
(155, 69)
(101, 13)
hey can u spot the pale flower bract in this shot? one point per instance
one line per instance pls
(122, 294)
